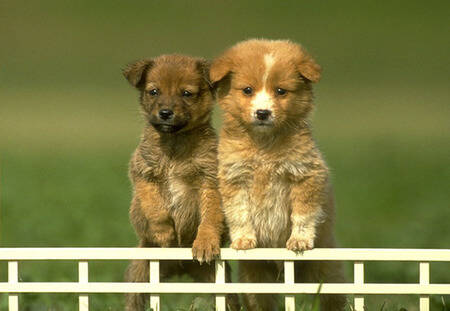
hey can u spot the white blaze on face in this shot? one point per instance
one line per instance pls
(263, 100)
(269, 60)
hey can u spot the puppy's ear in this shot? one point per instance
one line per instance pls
(307, 66)
(219, 69)
(136, 72)
(203, 68)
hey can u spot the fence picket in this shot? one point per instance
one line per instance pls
(83, 277)
(289, 278)
(13, 278)
(358, 267)
(424, 278)
(220, 279)
(154, 279)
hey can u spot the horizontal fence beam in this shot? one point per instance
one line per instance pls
(350, 254)
(257, 288)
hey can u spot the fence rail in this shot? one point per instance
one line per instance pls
(358, 256)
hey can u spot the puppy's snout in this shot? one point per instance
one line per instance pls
(263, 114)
(165, 114)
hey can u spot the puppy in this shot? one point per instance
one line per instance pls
(273, 180)
(176, 202)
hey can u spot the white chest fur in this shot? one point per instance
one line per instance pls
(263, 198)
(183, 202)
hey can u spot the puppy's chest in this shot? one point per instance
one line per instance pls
(182, 185)
(181, 193)
(269, 207)
(264, 180)
(266, 187)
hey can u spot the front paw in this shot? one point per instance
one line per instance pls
(299, 244)
(244, 243)
(205, 250)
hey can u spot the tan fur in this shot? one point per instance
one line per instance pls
(175, 202)
(273, 180)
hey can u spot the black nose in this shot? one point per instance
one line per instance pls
(263, 114)
(165, 114)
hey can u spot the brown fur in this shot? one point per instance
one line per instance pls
(175, 202)
(273, 180)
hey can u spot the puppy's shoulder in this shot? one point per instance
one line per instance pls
(146, 162)
(303, 158)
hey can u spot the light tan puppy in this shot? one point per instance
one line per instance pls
(273, 180)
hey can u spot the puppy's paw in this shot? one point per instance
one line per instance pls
(299, 244)
(205, 250)
(244, 243)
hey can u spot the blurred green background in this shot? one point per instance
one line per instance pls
(69, 122)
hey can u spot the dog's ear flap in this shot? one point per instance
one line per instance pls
(135, 72)
(310, 70)
(219, 69)
(307, 66)
(203, 67)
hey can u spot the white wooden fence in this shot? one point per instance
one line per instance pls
(358, 256)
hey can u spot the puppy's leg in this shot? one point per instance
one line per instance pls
(207, 273)
(154, 227)
(138, 271)
(331, 272)
(236, 206)
(259, 272)
(206, 245)
(232, 299)
(323, 272)
(308, 196)
(202, 273)
(149, 217)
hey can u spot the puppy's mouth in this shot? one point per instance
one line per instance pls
(167, 127)
(262, 123)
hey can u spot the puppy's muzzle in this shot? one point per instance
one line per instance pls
(166, 121)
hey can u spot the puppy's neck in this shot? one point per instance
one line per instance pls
(270, 138)
(176, 144)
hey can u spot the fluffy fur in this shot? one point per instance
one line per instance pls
(175, 202)
(273, 180)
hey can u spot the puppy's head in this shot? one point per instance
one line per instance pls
(265, 84)
(175, 91)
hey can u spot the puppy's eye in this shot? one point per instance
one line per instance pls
(248, 91)
(280, 91)
(186, 93)
(153, 92)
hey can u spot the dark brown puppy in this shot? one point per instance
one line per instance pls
(175, 202)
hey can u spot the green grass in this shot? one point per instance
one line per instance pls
(69, 122)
